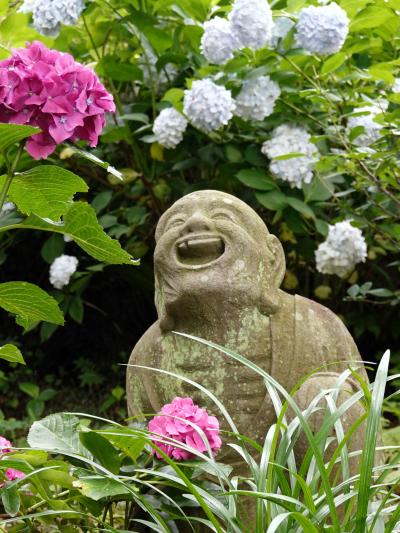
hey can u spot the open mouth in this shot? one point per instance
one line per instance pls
(199, 249)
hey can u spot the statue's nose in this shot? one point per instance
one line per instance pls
(197, 222)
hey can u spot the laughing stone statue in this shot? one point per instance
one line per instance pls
(218, 271)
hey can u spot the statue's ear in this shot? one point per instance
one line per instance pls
(277, 266)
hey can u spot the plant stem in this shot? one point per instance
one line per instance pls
(10, 175)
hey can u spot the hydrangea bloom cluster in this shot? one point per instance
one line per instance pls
(289, 139)
(171, 423)
(372, 130)
(207, 105)
(10, 473)
(61, 270)
(48, 89)
(281, 27)
(169, 127)
(322, 30)
(396, 85)
(218, 42)
(251, 22)
(47, 16)
(344, 247)
(257, 98)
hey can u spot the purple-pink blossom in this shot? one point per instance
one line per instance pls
(10, 473)
(5, 445)
(172, 422)
(49, 89)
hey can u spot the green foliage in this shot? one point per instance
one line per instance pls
(106, 476)
(11, 353)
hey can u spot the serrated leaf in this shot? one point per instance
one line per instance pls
(256, 179)
(45, 190)
(80, 223)
(58, 432)
(12, 133)
(371, 17)
(29, 303)
(11, 353)
(122, 438)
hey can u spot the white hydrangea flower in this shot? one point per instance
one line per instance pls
(218, 41)
(169, 127)
(372, 130)
(396, 85)
(207, 105)
(48, 15)
(257, 98)
(322, 30)
(344, 247)
(281, 27)
(252, 22)
(290, 139)
(7, 207)
(61, 270)
(67, 238)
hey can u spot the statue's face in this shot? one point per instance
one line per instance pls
(209, 242)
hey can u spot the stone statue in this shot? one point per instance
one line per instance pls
(217, 272)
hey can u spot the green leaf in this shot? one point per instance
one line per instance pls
(371, 17)
(318, 190)
(11, 353)
(45, 190)
(173, 96)
(76, 309)
(333, 63)
(120, 71)
(80, 223)
(52, 248)
(30, 388)
(11, 500)
(381, 293)
(256, 179)
(29, 303)
(300, 206)
(12, 133)
(274, 200)
(158, 38)
(57, 433)
(97, 487)
(125, 440)
(102, 450)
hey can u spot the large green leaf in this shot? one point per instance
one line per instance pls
(102, 450)
(274, 200)
(257, 179)
(11, 353)
(97, 487)
(124, 439)
(371, 17)
(29, 303)
(57, 433)
(10, 499)
(80, 223)
(45, 190)
(12, 133)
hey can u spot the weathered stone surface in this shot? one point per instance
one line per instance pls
(218, 271)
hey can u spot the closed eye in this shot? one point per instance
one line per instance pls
(222, 215)
(175, 222)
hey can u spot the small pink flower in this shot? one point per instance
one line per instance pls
(49, 89)
(12, 474)
(5, 445)
(168, 424)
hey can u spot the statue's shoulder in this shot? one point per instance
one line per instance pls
(324, 329)
(149, 341)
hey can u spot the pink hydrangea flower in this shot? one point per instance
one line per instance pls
(171, 422)
(12, 474)
(5, 445)
(49, 89)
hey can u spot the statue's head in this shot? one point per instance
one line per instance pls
(212, 247)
